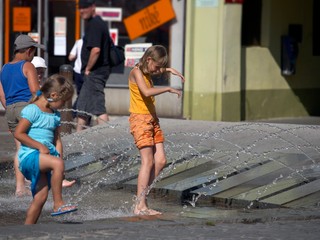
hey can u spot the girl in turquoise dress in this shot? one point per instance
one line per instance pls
(40, 155)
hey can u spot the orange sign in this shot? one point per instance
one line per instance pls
(21, 19)
(149, 18)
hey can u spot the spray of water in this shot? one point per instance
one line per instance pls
(220, 153)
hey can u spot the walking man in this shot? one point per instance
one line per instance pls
(95, 66)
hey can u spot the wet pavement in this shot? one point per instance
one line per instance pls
(178, 221)
(165, 229)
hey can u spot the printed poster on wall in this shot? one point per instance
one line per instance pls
(149, 18)
(60, 36)
(21, 21)
(114, 34)
(134, 52)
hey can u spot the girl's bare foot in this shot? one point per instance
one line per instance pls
(146, 211)
(66, 183)
(27, 182)
(23, 192)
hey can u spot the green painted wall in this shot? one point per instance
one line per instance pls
(203, 61)
(202, 107)
(266, 93)
(227, 82)
(212, 62)
(282, 103)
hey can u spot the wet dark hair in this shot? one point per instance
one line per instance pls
(56, 83)
(157, 53)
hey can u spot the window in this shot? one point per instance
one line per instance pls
(316, 28)
(251, 22)
(159, 35)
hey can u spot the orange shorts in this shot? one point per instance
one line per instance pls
(145, 130)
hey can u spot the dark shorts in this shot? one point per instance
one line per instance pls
(145, 130)
(78, 80)
(13, 114)
(92, 98)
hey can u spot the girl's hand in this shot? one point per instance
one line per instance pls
(43, 149)
(175, 72)
(178, 92)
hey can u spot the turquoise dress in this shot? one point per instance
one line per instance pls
(42, 129)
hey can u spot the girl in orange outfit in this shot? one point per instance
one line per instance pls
(144, 123)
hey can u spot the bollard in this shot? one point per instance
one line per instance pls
(66, 70)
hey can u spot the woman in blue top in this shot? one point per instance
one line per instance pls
(18, 82)
(40, 153)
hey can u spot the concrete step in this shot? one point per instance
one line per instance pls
(238, 179)
(295, 193)
(268, 189)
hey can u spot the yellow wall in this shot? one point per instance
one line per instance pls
(212, 65)
(203, 61)
(227, 82)
(268, 93)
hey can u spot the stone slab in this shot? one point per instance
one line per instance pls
(268, 189)
(311, 201)
(295, 193)
(245, 147)
(238, 179)
(78, 160)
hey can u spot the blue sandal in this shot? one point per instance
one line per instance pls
(67, 208)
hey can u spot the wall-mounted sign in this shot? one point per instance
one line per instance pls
(34, 36)
(207, 3)
(134, 52)
(149, 18)
(60, 36)
(110, 14)
(21, 19)
(114, 34)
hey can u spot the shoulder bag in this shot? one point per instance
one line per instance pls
(116, 54)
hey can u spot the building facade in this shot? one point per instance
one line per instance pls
(242, 59)
(237, 65)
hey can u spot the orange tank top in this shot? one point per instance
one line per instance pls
(139, 103)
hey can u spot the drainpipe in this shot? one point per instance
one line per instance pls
(46, 31)
(39, 25)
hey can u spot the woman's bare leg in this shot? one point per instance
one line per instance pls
(81, 123)
(21, 189)
(103, 119)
